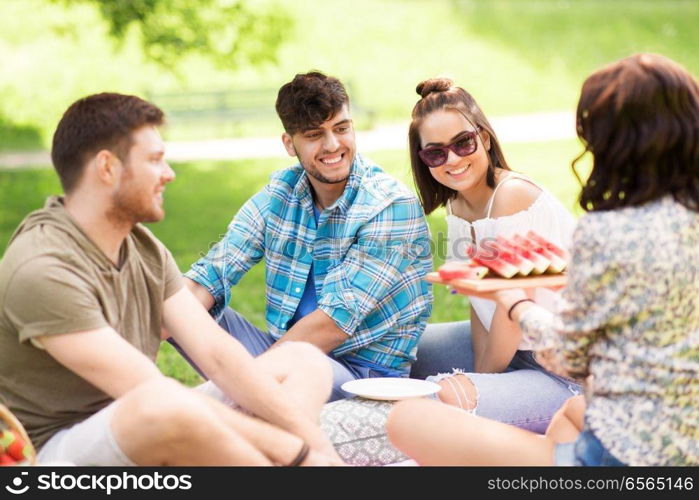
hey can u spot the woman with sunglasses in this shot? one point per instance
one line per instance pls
(629, 315)
(457, 163)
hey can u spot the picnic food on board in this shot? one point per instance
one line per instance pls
(468, 270)
(528, 261)
(555, 255)
(509, 257)
(539, 262)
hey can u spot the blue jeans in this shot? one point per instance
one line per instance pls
(256, 342)
(586, 451)
(525, 395)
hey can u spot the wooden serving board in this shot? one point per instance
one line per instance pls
(492, 284)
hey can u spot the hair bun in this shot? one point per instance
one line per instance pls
(426, 87)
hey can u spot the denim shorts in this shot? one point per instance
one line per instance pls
(586, 451)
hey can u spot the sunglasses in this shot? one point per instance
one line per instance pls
(464, 145)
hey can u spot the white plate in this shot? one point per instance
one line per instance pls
(390, 389)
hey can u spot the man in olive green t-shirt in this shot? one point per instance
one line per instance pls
(85, 291)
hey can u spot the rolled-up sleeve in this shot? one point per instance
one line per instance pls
(381, 278)
(228, 260)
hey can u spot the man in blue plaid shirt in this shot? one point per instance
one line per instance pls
(346, 247)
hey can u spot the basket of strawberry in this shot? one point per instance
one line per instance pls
(15, 446)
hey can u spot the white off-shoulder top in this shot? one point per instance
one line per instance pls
(546, 215)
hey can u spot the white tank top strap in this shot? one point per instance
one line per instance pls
(511, 175)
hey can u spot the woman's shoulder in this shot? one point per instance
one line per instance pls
(659, 234)
(650, 211)
(514, 193)
(662, 216)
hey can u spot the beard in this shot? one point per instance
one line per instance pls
(131, 206)
(313, 172)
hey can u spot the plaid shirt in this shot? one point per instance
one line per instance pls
(370, 252)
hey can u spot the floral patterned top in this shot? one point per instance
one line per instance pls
(629, 316)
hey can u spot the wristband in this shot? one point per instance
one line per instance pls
(512, 307)
(302, 454)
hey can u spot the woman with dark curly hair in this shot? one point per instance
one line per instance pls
(629, 315)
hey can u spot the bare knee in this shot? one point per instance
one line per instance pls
(574, 405)
(574, 410)
(309, 357)
(409, 426)
(571, 407)
(304, 350)
(458, 391)
(400, 424)
(568, 421)
(161, 410)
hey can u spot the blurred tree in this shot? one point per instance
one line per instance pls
(229, 32)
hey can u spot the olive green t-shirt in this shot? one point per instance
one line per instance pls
(55, 280)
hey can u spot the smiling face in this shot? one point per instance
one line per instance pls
(326, 152)
(460, 173)
(139, 195)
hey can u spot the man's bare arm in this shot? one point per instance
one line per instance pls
(103, 358)
(201, 294)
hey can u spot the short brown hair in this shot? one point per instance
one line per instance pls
(309, 100)
(639, 117)
(96, 122)
(437, 94)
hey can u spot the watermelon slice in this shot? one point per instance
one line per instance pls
(551, 247)
(557, 264)
(507, 257)
(495, 262)
(524, 265)
(541, 263)
(468, 270)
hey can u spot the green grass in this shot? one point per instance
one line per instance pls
(14, 136)
(202, 200)
(515, 56)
